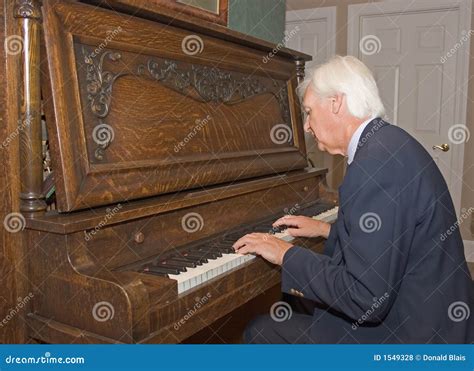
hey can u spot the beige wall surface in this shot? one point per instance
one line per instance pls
(337, 164)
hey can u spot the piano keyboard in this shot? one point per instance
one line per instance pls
(194, 265)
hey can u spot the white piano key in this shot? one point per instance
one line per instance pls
(202, 273)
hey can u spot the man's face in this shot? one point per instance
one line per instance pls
(321, 121)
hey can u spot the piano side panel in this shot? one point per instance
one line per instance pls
(141, 115)
(71, 289)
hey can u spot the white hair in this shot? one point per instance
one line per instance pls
(349, 76)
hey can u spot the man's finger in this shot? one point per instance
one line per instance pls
(250, 249)
(241, 242)
(295, 232)
(286, 220)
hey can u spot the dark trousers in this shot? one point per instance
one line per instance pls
(265, 329)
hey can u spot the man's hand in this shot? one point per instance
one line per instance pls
(267, 246)
(302, 226)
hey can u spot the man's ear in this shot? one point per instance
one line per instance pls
(337, 102)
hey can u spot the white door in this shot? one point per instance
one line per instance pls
(418, 51)
(313, 31)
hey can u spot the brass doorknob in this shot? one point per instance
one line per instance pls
(443, 147)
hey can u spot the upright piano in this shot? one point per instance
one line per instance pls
(165, 139)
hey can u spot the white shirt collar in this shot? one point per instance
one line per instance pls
(354, 142)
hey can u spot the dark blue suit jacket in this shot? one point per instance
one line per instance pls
(390, 272)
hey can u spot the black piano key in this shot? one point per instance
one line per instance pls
(224, 247)
(209, 252)
(194, 256)
(278, 229)
(167, 264)
(158, 270)
(262, 229)
(184, 262)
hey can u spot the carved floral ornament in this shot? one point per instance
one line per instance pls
(208, 84)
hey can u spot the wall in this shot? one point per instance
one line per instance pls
(264, 19)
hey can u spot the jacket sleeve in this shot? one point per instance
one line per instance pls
(370, 250)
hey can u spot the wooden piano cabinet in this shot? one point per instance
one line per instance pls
(76, 269)
(121, 95)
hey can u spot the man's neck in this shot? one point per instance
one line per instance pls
(352, 124)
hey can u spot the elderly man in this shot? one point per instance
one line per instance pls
(387, 275)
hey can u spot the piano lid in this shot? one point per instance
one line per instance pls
(137, 108)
